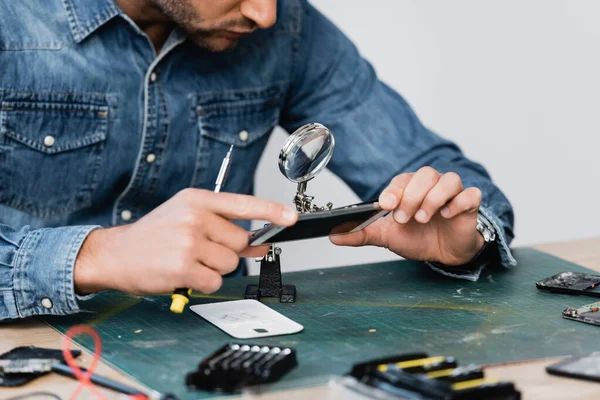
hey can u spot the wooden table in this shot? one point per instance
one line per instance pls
(530, 377)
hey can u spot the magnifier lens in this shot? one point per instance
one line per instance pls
(306, 152)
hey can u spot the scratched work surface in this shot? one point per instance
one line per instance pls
(352, 314)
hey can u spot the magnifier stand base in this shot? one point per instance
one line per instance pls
(269, 282)
(286, 294)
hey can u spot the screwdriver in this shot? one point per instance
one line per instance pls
(181, 296)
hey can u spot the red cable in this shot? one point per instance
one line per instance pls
(84, 378)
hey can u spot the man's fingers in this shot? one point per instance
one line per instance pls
(420, 184)
(390, 198)
(466, 201)
(225, 232)
(353, 239)
(255, 251)
(218, 257)
(371, 235)
(238, 206)
(203, 279)
(444, 191)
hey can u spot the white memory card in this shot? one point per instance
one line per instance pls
(246, 319)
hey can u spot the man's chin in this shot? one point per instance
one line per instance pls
(216, 44)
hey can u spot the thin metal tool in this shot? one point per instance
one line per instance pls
(223, 171)
(181, 296)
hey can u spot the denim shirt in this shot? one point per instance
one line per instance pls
(96, 129)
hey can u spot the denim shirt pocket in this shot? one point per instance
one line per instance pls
(50, 151)
(243, 119)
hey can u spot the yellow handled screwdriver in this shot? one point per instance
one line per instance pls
(181, 296)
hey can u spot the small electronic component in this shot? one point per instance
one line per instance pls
(588, 314)
(24, 364)
(419, 376)
(571, 283)
(236, 366)
(27, 366)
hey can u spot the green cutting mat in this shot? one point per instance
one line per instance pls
(351, 314)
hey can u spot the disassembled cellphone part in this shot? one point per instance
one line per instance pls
(419, 376)
(585, 367)
(269, 281)
(26, 363)
(588, 314)
(27, 366)
(571, 283)
(312, 225)
(304, 154)
(236, 366)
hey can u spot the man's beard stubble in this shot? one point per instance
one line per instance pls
(183, 14)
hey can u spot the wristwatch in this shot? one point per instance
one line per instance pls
(487, 230)
(485, 227)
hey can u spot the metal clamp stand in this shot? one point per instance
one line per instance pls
(269, 282)
(304, 203)
(304, 154)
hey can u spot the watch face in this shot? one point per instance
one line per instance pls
(486, 230)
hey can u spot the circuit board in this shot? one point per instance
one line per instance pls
(588, 314)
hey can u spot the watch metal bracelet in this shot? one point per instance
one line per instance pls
(486, 228)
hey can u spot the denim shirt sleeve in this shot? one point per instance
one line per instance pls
(378, 135)
(36, 270)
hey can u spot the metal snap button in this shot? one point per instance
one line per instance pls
(150, 158)
(126, 215)
(243, 135)
(46, 303)
(49, 141)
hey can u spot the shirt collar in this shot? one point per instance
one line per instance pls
(85, 16)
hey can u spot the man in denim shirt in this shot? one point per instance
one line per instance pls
(110, 109)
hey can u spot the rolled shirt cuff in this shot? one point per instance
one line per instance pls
(43, 271)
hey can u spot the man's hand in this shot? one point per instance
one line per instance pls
(433, 219)
(186, 242)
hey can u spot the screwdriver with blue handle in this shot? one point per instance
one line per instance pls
(181, 296)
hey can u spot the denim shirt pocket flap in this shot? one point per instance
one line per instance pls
(237, 118)
(53, 127)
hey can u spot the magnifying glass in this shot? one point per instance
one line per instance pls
(304, 154)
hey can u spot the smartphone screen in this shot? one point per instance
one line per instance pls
(321, 223)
